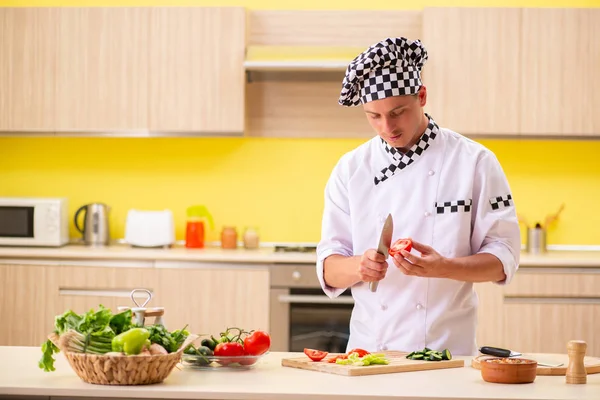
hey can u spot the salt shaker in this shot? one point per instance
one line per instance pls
(576, 372)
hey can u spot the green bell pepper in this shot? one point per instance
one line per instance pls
(131, 342)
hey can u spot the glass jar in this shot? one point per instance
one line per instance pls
(229, 237)
(251, 238)
(195, 231)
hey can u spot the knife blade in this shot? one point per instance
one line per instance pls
(385, 241)
(499, 352)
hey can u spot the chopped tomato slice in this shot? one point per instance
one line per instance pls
(338, 357)
(315, 355)
(400, 244)
(361, 352)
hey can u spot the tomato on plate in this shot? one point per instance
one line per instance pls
(229, 352)
(361, 352)
(400, 244)
(315, 355)
(257, 343)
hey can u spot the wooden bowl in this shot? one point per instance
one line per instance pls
(508, 370)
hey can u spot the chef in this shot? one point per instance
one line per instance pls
(445, 192)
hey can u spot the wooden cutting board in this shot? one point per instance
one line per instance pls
(398, 363)
(592, 364)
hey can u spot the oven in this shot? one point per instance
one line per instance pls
(301, 314)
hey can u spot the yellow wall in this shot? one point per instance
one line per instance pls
(276, 184)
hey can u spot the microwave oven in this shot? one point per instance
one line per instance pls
(34, 221)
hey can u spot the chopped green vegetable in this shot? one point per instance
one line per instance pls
(369, 359)
(430, 355)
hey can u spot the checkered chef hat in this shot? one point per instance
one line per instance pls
(391, 67)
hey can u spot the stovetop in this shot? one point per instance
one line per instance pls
(295, 249)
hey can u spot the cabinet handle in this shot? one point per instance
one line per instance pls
(100, 292)
(308, 299)
(551, 300)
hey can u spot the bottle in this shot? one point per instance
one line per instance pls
(251, 238)
(195, 232)
(229, 237)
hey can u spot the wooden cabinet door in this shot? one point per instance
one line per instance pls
(197, 77)
(547, 325)
(81, 288)
(102, 63)
(27, 69)
(560, 82)
(490, 324)
(473, 74)
(212, 298)
(545, 308)
(28, 303)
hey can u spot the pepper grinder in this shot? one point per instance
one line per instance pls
(576, 372)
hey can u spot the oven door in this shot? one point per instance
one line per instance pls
(306, 318)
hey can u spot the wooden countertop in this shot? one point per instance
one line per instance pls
(20, 375)
(264, 255)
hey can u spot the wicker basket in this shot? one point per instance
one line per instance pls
(123, 370)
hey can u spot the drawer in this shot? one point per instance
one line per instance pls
(555, 282)
(294, 276)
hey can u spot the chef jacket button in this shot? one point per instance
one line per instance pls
(431, 172)
(384, 307)
(427, 213)
(419, 306)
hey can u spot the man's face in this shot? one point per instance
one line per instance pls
(399, 119)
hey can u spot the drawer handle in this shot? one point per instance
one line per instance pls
(308, 299)
(101, 292)
(551, 300)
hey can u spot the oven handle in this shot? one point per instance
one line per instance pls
(308, 299)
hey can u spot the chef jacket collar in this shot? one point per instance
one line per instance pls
(402, 160)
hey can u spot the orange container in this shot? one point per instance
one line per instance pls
(195, 231)
(508, 370)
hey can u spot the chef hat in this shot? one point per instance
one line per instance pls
(391, 67)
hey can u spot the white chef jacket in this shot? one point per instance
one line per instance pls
(407, 312)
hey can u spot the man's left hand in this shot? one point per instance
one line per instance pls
(430, 264)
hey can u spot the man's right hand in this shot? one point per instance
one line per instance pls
(372, 266)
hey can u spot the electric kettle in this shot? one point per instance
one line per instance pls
(95, 224)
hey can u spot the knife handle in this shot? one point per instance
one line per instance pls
(373, 286)
(495, 351)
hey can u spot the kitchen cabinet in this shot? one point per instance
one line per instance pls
(29, 300)
(81, 288)
(559, 82)
(196, 73)
(27, 69)
(210, 297)
(546, 308)
(490, 324)
(122, 70)
(473, 74)
(101, 69)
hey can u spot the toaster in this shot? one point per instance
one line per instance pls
(150, 228)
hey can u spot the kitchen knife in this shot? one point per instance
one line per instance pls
(499, 352)
(385, 242)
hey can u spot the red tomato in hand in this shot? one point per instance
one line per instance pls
(400, 244)
(361, 352)
(257, 343)
(315, 355)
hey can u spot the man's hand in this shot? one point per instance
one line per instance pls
(372, 266)
(430, 264)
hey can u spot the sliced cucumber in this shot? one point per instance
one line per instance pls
(428, 354)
